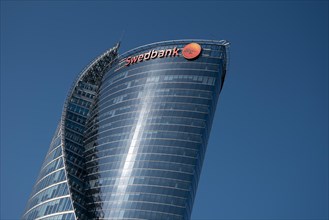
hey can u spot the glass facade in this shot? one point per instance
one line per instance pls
(133, 137)
(50, 196)
(59, 192)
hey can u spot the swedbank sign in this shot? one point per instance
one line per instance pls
(190, 52)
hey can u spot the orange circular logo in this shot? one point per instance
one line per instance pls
(191, 51)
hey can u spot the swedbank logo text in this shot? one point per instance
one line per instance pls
(153, 54)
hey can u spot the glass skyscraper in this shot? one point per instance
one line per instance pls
(133, 134)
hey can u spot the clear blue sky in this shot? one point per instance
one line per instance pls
(267, 156)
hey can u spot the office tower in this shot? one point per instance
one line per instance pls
(133, 134)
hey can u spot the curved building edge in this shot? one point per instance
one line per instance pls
(41, 193)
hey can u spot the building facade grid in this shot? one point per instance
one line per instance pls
(132, 138)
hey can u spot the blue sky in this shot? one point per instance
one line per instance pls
(267, 156)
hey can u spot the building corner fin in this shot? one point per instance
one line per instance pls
(117, 46)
